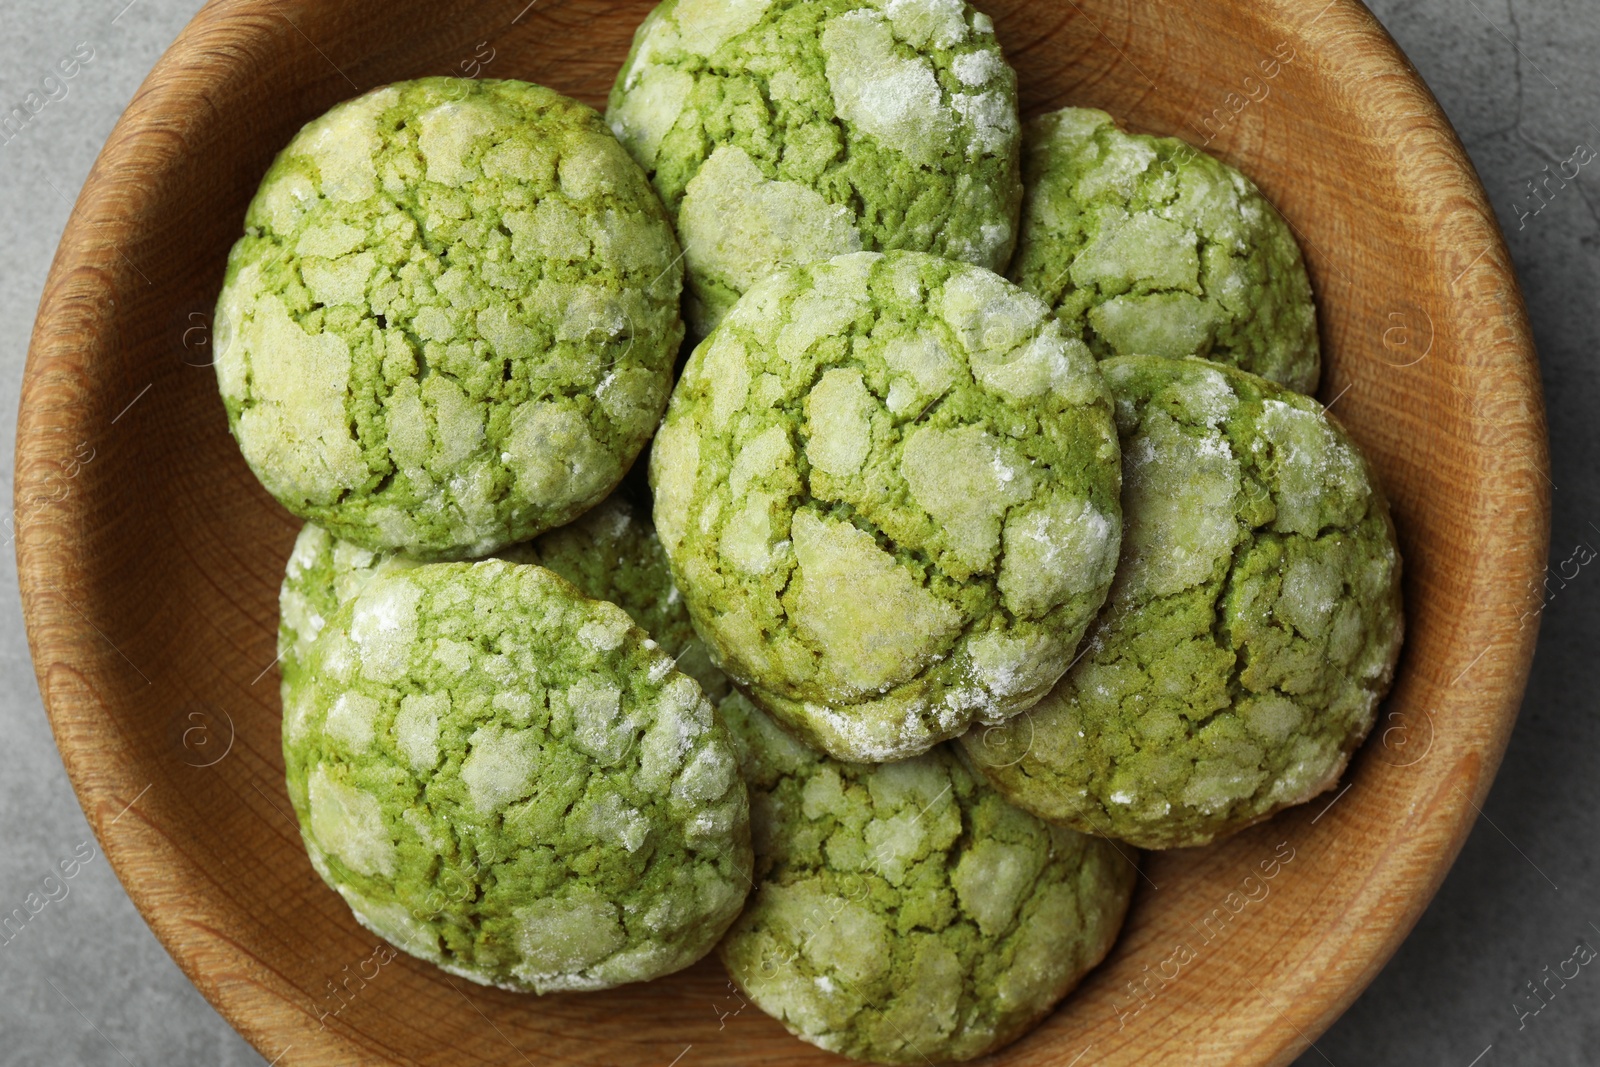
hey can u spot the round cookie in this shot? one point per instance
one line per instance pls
(888, 486)
(779, 132)
(509, 780)
(452, 319)
(905, 913)
(1252, 629)
(1150, 247)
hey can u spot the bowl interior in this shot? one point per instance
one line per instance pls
(150, 557)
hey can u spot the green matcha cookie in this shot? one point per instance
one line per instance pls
(1252, 629)
(906, 913)
(780, 132)
(509, 780)
(1150, 247)
(888, 488)
(451, 322)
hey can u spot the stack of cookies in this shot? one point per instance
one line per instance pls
(988, 522)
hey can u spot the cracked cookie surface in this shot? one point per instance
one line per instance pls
(888, 487)
(451, 322)
(779, 132)
(906, 913)
(1150, 247)
(505, 778)
(1253, 626)
(611, 553)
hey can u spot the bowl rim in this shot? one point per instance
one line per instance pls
(86, 272)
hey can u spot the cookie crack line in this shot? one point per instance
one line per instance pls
(1220, 636)
(848, 512)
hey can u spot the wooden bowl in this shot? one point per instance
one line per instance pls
(150, 557)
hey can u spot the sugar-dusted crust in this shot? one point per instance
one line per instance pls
(779, 132)
(509, 779)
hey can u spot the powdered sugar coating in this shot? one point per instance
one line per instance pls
(497, 794)
(437, 281)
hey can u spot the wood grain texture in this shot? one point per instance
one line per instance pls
(150, 558)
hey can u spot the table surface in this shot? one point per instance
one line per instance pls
(84, 982)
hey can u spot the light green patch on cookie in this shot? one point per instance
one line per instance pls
(887, 96)
(874, 625)
(745, 225)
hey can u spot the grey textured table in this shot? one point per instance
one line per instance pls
(84, 982)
